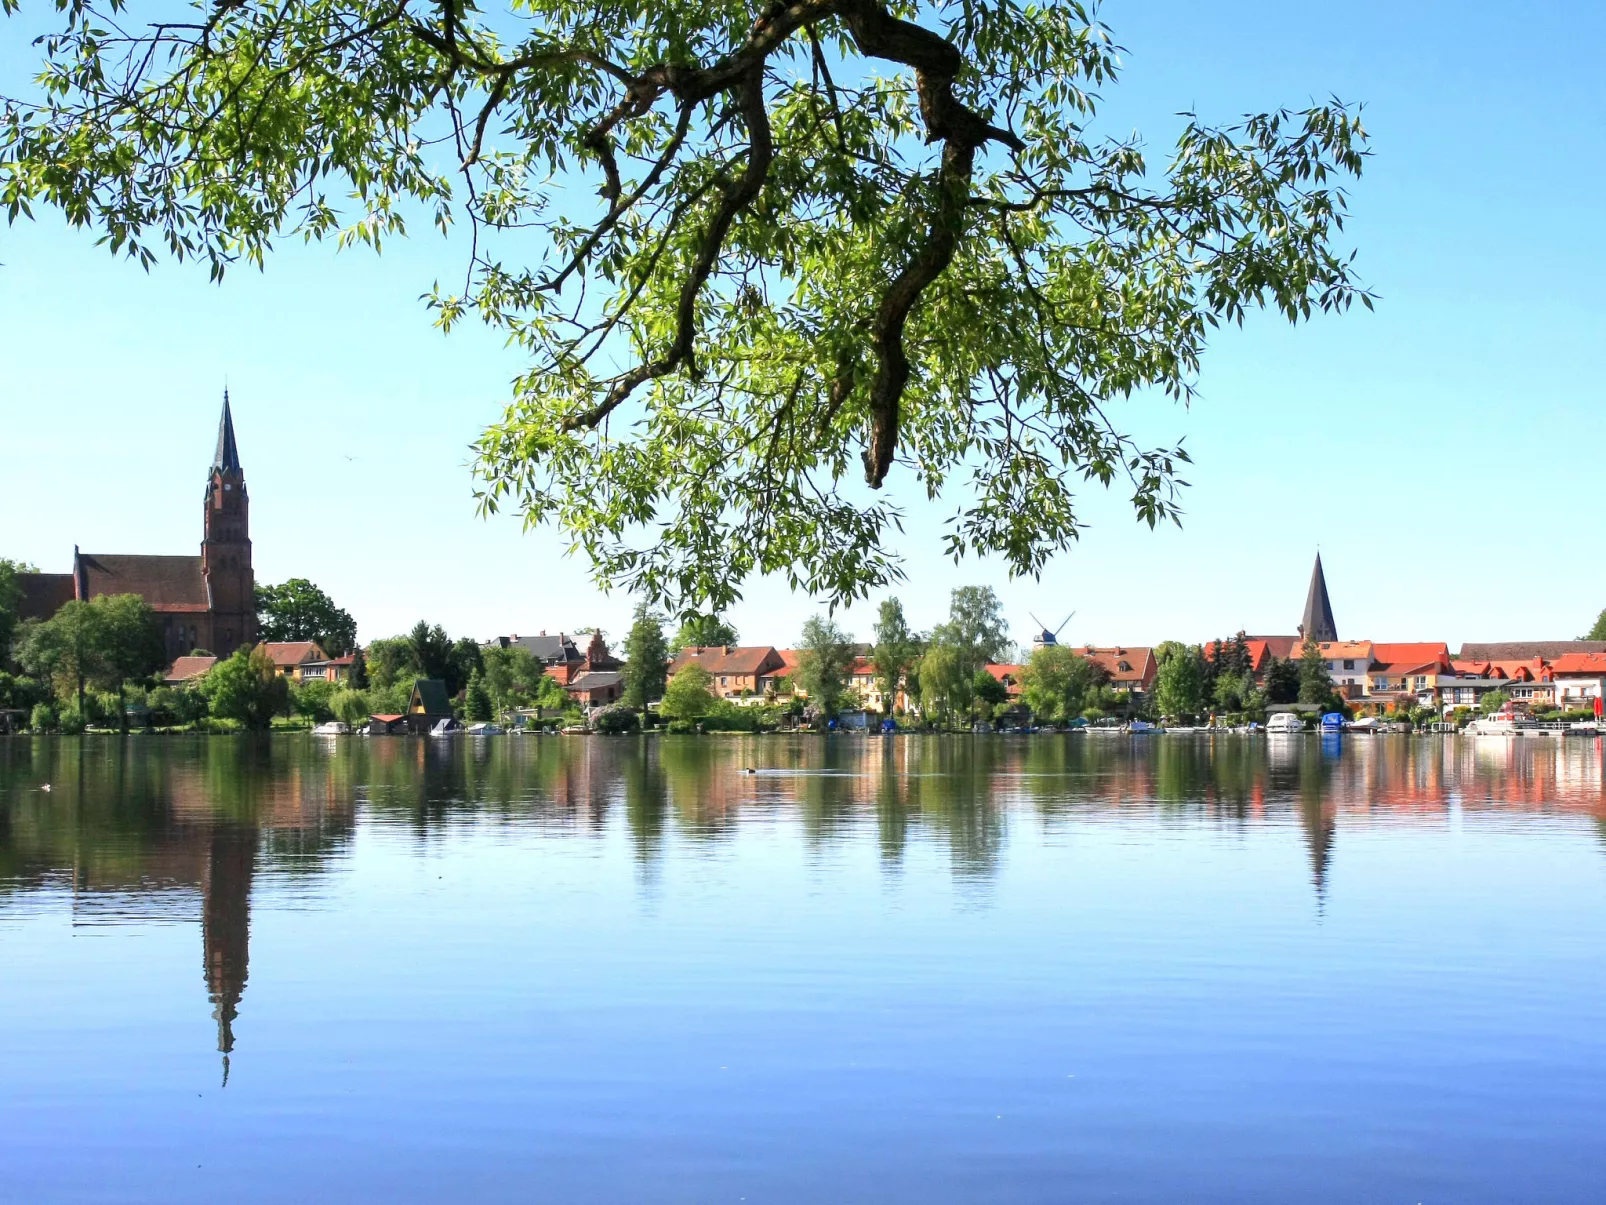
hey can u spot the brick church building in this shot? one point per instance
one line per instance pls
(206, 601)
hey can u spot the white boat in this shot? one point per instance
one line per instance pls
(332, 728)
(484, 728)
(1506, 722)
(446, 727)
(1284, 722)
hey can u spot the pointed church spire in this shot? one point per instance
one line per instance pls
(1318, 623)
(227, 459)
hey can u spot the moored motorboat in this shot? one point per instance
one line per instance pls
(332, 728)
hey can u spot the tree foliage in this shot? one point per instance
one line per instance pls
(1598, 631)
(1315, 681)
(299, 610)
(1057, 682)
(646, 659)
(824, 663)
(1179, 683)
(895, 652)
(831, 240)
(689, 693)
(702, 631)
(103, 643)
(246, 688)
(10, 601)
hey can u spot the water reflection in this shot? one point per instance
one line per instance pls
(185, 830)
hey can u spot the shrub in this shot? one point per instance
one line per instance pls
(616, 719)
(71, 722)
(682, 727)
(725, 716)
(43, 718)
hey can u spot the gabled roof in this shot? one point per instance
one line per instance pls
(1008, 674)
(431, 692)
(595, 679)
(790, 659)
(1523, 650)
(166, 583)
(1282, 647)
(187, 669)
(1131, 667)
(549, 650)
(288, 653)
(729, 659)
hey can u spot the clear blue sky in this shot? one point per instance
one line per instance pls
(1474, 391)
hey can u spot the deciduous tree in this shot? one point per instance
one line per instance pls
(824, 663)
(895, 652)
(298, 610)
(832, 239)
(689, 694)
(246, 687)
(702, 631)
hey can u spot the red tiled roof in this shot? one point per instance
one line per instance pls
(729, 659)
(1579, 663)
(187, 669)
(1396, 654)
(287, 653)
(1129, 667)
(166, 583)
(1009, 675)
(789, 659)
(1473, 669)
(1282, 647)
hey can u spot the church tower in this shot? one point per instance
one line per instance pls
(1317, 623)
(226, 545)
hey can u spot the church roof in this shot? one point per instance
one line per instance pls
(227, 457)
(1318, 623)
(166, 583)
(43, 594)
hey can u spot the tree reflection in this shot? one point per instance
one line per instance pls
(142, 827)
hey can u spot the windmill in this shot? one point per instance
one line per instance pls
(1044, 637)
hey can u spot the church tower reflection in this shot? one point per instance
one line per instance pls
(226, 926)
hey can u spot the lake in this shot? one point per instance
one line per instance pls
(910, 969)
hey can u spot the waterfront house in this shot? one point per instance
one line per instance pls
(334, 669)
(1580, 679)
(428, 705)
(292, 657)
(1348, 663)
(1131, 668)
(736, 671)
(596, 688)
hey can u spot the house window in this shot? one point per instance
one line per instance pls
(1349, 665)
(723, 682)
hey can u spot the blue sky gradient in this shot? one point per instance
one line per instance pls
(1437, 450)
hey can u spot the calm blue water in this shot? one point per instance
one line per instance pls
(880, 970)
